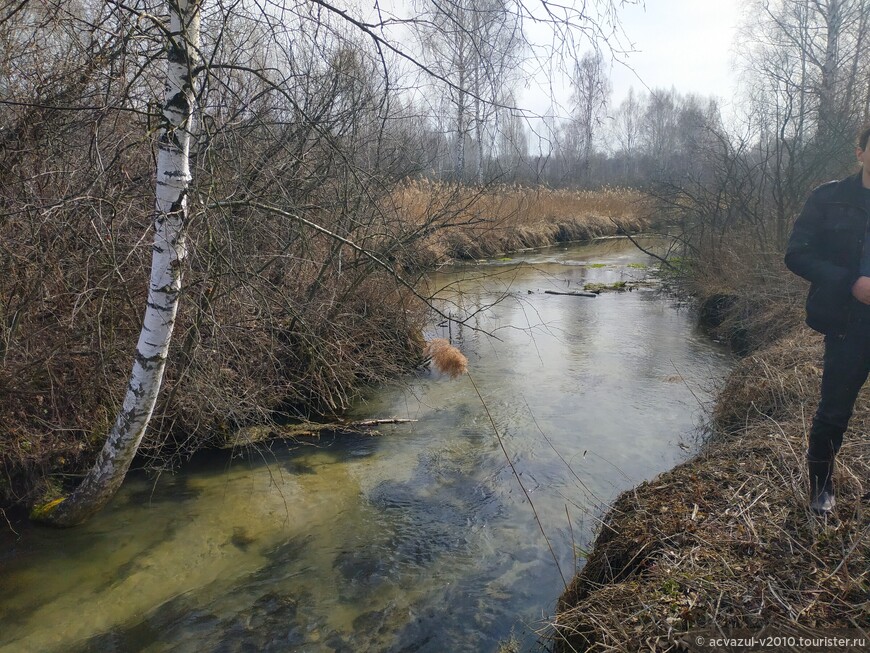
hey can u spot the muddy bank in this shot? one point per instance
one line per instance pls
(725, 540)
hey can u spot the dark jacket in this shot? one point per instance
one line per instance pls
(825, 248)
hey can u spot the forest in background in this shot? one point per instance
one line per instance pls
(314, 125)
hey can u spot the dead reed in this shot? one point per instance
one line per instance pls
(488, 221)
(446, 358)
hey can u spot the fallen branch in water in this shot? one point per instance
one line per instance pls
(262, 433)
(365, 423)
(573, 294)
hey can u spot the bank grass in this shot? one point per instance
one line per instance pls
(744, 292)
(491, 220)
(726, 540)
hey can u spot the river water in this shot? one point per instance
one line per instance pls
(420, 539)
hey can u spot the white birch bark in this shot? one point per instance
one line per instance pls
(168, 254)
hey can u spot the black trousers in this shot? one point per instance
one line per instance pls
(846, 366)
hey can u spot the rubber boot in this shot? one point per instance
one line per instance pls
(822, 499)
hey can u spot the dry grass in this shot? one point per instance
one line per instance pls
(488, 221)
(772, 382)
(726, 540)
(763, 301)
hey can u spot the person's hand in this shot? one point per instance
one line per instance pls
(861, 290)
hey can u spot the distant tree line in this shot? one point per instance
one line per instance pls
(805, 93)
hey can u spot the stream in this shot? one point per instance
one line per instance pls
(422, 538)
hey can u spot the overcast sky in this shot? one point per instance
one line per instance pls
(684, 43)
(688, 44)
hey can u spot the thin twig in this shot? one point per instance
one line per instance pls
(9, 523)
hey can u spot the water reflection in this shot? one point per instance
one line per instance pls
(418, 540)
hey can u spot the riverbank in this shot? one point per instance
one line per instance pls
(260, 335)
(725, 540)
(498, 220)
(358, 543)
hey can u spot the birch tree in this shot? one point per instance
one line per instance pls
(168, 254)
(591, 88)
(475, 49)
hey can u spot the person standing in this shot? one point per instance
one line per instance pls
(828, 247)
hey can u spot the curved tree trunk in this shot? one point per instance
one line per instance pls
(173, 177)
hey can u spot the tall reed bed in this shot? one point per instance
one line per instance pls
(483, 221)
(726, 540)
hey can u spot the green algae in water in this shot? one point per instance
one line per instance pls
(619, 286)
